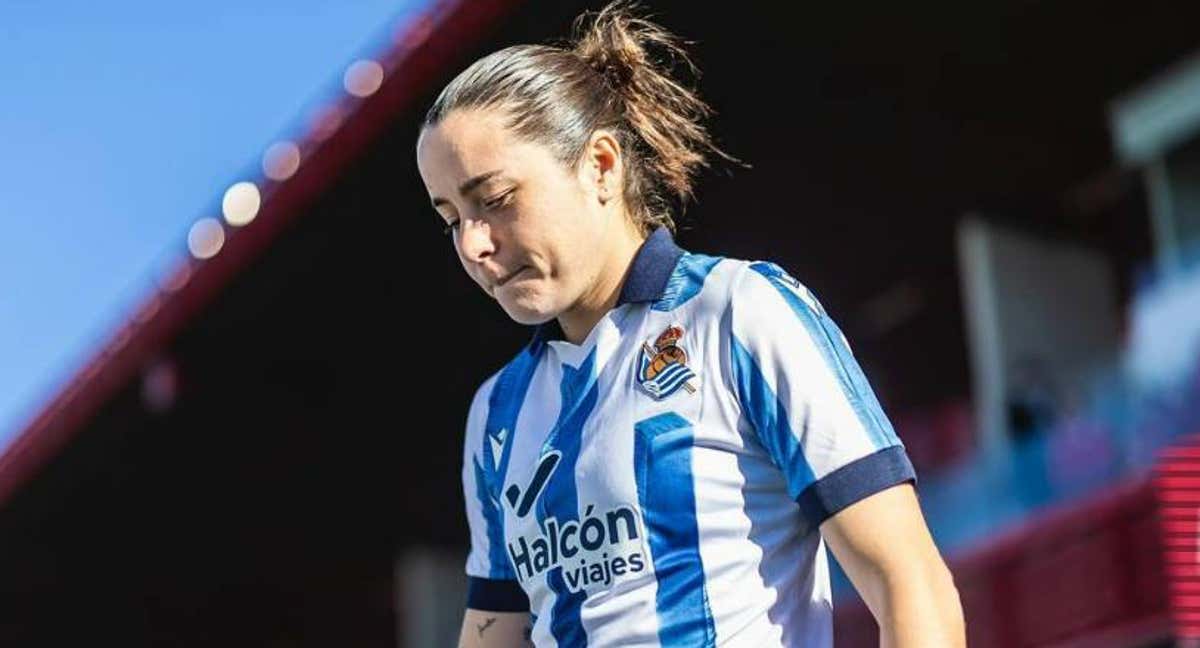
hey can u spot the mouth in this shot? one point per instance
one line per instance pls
(510, 277)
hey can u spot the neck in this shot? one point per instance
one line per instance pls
(578, 321)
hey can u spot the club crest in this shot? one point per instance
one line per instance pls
(663, 368)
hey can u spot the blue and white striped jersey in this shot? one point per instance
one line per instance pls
(661, 484)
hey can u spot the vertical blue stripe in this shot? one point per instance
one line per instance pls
(560, 499)
(829, 340)
(504, 404)
(769, 417)
(666, 493)
(686, 281)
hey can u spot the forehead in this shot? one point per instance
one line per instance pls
(465, 144)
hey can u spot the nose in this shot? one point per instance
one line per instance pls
(475, 242)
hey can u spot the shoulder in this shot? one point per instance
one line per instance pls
(703, 283)
(768, 308)
(725, 284)
(767, 286)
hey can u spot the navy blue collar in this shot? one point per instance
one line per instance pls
(649, 273)
(651, 269)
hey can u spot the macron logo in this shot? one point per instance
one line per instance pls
(497, 442)
(537, 484)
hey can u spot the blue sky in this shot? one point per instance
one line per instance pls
(124, 121)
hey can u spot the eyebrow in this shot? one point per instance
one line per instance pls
(468, 186)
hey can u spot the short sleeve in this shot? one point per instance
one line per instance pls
(806, 398)
(491, 583)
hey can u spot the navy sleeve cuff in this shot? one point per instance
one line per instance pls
(853, 482)
(492, 595)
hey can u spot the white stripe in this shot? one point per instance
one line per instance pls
(477, 561)
(624, 615)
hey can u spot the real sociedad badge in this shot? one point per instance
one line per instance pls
(662, 369)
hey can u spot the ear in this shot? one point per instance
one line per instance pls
(601, 168)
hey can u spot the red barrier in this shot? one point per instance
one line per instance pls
(1177, 483)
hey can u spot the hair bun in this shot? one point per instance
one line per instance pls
(615, 69)
(614, 42)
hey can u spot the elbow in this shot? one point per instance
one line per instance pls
(923, 608)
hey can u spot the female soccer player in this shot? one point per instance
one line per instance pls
(665, 461)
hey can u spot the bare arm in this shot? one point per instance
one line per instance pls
(884, 545)
(481, 629)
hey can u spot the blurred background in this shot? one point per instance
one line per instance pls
(238, 353)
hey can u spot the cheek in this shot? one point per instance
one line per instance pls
(553, 233)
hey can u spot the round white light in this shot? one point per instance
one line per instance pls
(241, 203)
(281, 160)
(363, 78)
(206, 238)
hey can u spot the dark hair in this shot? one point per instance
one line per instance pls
(616, 73)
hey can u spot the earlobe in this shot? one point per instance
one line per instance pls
(606, 162)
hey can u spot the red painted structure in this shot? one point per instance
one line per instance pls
(338, 134)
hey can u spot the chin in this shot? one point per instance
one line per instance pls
(528, 311)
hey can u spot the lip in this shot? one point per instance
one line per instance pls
(511, 276)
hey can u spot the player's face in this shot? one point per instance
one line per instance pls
(527, 228)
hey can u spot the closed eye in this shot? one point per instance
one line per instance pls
(496, 202)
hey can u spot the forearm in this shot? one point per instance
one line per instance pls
(482, 629)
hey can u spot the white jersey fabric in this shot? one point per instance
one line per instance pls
(662, 483)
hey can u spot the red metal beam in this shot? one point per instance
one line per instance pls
(342, 132)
